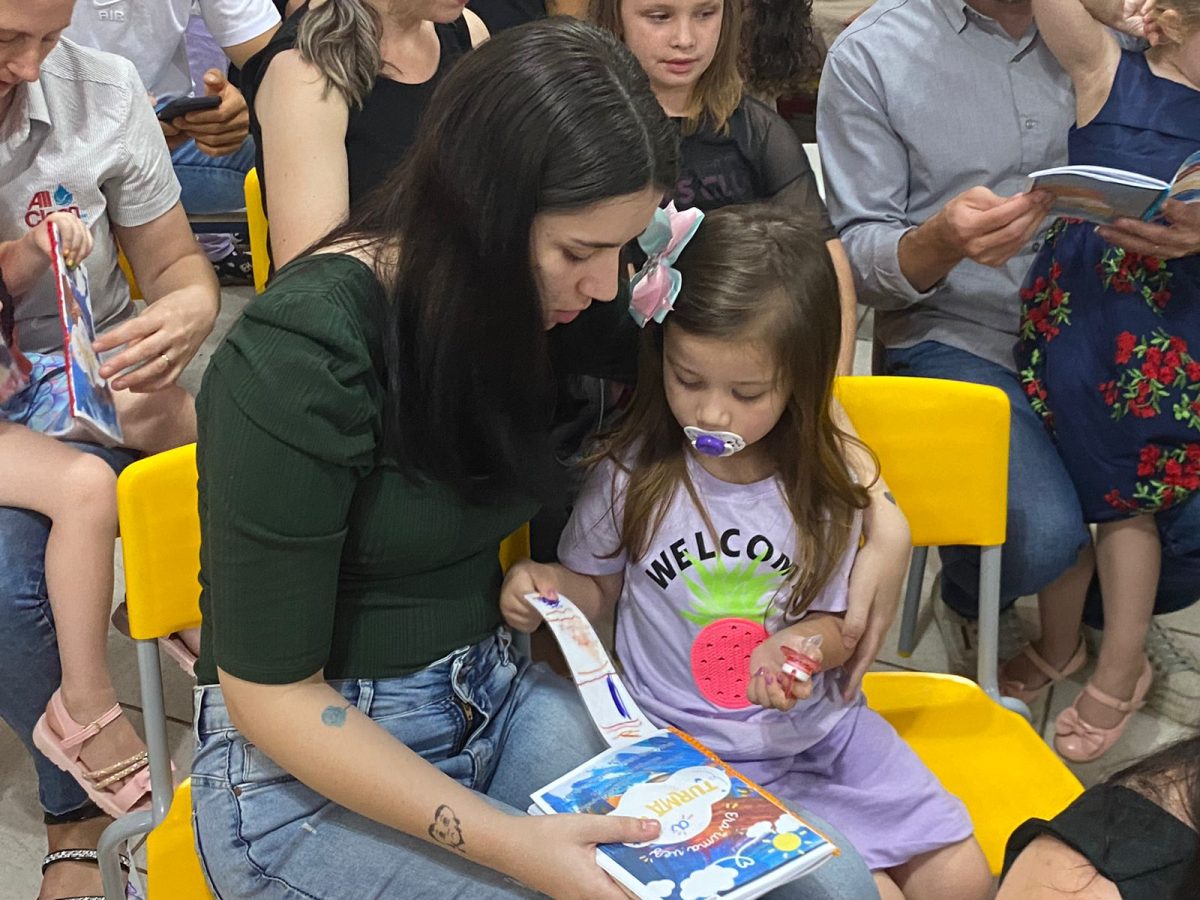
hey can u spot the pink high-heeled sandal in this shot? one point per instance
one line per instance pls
(1011, 687)
(63, 750)
(1081, 741)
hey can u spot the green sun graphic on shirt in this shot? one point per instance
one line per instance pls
(722, 592)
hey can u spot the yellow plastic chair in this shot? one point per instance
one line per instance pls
(987, 756)
(160, 542)
(256, 219)
(943, 449)
(157, 505)
(135, 293)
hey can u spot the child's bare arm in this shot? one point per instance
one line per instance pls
(24, 260)
(595, 595)
(1076, 31)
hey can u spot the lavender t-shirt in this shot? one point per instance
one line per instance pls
(689, 578)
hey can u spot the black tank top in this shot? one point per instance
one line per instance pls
(380, 133)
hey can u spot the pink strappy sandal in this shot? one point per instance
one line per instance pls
(1081, 741)
(172, 644)
(1011, 687)
(63, 751)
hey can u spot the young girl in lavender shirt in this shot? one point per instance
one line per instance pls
(753, 512)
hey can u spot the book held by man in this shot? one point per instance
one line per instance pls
(721, 835)
(1102, 195)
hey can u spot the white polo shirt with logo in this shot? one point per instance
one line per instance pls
(151, 33)
(81, 139)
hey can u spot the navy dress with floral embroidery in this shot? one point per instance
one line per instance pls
(1110, 341)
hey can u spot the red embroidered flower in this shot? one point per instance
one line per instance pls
(1126, 342)
(1193, 453)
(1193, 371)
(1109, 390)
(1055, 270)
(1161, 298)
(1173, 472)
(1177, 344)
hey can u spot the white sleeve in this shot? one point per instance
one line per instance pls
(236, 21)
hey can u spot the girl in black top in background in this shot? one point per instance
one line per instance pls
(1131, 837)
(336, 99)
(735, 149)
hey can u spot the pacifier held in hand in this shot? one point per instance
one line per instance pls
(801, 664)
(714, 443)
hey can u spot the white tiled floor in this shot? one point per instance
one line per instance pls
(22, 839)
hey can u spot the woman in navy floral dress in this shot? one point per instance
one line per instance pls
(1110, 357)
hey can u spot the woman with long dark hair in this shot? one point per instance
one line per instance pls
(369, 432)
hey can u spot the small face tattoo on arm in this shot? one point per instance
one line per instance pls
(887, 495)
(334, 716)
(447, 829)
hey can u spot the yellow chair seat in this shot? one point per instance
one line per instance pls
(172, 867)
(987, 756)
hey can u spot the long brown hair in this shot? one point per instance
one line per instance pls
(750, 273)
(719, 89)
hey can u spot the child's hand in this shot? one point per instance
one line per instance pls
(76, 238)
(769, 687)
(526, 577)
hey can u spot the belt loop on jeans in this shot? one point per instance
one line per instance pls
(366, 695)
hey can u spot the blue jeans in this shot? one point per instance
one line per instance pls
(260, 833)
(212, 184)
(1045, 524)
(29, 664)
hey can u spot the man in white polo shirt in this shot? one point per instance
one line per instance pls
(211, 150)
(76, 134)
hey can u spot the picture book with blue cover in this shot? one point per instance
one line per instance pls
(722, 836)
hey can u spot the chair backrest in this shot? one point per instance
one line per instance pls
(160, 542)
(814, 160)
(135, 292)
(256, 219)
(943, 449)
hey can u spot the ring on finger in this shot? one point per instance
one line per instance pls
(165, 359)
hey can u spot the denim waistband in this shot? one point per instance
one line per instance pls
(470, 672)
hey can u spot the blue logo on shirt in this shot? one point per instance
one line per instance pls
(63, 197)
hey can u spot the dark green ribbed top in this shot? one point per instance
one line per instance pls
(317, 552)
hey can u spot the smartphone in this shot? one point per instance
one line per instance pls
(181, 106)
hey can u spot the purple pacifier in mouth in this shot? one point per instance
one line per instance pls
(714, 443)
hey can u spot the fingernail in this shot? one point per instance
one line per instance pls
(762, 670)
(649, 825)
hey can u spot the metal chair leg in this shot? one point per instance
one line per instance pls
(912, 601)
(988, 675)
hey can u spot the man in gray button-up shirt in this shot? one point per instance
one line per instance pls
(931, 115)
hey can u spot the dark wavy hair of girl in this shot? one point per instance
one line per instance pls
(1171, 778)
(551, 116)
(779, 50)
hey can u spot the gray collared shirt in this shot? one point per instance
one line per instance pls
(921, 100)
(81, 139)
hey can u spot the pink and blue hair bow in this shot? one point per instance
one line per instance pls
(656, 285)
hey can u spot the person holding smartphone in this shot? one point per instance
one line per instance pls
(176, 54)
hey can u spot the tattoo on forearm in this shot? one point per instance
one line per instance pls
(335, 716)
(887, 495)
(447, 829)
